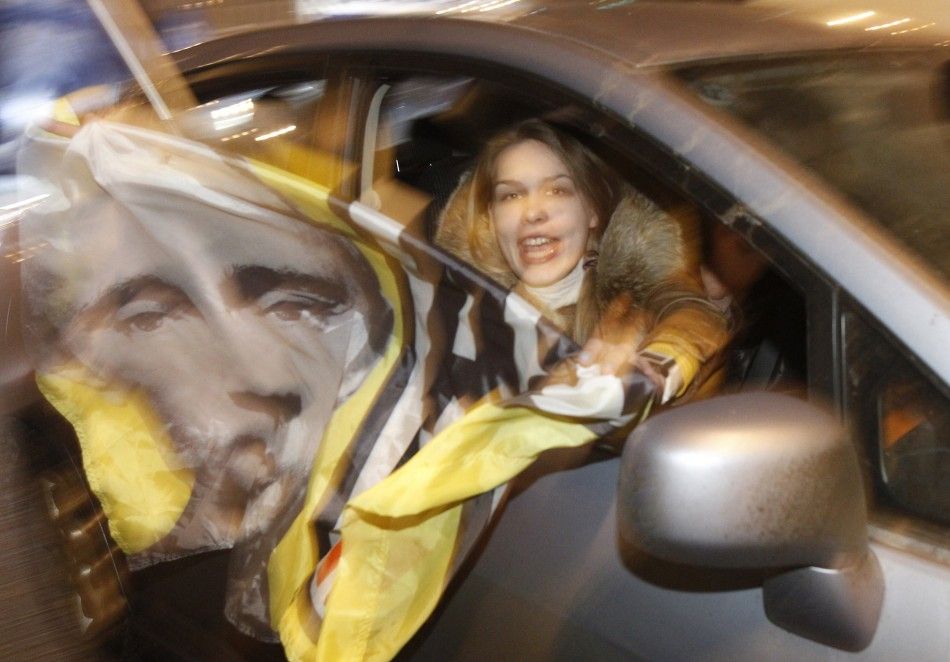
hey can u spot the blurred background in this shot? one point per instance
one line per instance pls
(54, 47)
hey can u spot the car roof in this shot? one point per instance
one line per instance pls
(639, 33)
(657, 33)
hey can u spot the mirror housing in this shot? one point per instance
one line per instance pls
(759, 480)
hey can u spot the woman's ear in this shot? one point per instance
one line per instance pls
(594, 221)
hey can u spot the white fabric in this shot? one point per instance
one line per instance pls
(595, 395)
(564, 292)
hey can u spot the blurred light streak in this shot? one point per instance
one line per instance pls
(10, 213)
(21, 204)
(498, 5)
(234, 136)
(487, 6)
(274, 134)
(919, 27)
(883, 26)
(312, 8)
(221, 125)
(239, 108)
(199, 5)
(17, 256)
(854, 18)
(449, 10)
(232, 115)
(26, 110)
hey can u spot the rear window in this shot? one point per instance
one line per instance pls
(874, 127)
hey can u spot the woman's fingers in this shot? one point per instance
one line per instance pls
(612, 357)
(591, 352)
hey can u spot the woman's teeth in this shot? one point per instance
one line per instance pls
(537, 250)
(536, 241)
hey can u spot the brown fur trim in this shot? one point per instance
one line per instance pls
(641, 248)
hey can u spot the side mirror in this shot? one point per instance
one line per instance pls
(759, 480)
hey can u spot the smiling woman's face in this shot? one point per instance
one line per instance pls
(541, 219)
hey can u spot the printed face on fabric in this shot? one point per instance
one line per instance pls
(178, 303)
(244, 339)
(540, 218)
(243, 326)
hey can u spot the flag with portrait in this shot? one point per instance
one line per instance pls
(339, 402)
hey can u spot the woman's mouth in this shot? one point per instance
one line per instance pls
(538, 249)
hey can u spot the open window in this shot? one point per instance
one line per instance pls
(428, 130)
(902, 415)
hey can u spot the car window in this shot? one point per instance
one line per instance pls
(433, 150)
(902, 416)
(299, 126)
(874, 127)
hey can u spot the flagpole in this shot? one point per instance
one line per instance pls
(143, 52)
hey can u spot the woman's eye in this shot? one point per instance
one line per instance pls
(506, 195)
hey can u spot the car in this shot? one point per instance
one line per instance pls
(802, 513)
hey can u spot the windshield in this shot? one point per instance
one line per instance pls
(876, 127)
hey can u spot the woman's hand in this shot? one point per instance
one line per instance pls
(614, 342)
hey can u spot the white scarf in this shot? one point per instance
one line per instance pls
(564, 292)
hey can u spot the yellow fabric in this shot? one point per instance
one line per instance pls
(295, 557)
(311, 199)
(63, 112)
(399, 536)
(127, 456)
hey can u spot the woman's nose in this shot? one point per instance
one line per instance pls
(535, 208)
